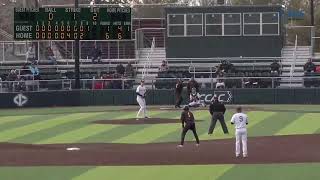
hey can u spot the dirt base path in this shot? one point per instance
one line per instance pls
(262, 150)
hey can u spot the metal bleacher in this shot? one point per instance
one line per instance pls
(205, 70)
(240, 63)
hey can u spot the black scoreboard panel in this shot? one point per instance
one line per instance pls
(72, 23)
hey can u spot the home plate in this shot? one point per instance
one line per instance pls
(73, 149)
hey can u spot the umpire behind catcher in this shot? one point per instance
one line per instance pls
(217, 110)
(178, 93)
(188, 123)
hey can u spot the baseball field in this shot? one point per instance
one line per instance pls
(108, 143)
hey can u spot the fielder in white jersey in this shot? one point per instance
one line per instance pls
(240, 120)
(141, 94)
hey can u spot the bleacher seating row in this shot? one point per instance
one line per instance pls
(51, 72)
(237, 82)
(312, 82)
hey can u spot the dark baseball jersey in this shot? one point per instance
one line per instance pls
(179, 87)
(216, 106)
(187, 117)
(188, 123)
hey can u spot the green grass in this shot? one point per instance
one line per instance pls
(75, 125)
(77, 135)
(203, 172)
(272, 172)
(309, 123)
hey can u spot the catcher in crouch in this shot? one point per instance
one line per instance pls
(195, 99)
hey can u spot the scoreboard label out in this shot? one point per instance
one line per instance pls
(108, 23)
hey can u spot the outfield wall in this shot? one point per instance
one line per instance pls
(156, 97)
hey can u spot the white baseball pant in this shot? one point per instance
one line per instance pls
(195, 104)
(241, 136)
(142, 103)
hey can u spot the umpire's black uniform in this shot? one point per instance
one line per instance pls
(217, 111)
(188, 123)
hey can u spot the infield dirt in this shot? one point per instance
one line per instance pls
(262, 150)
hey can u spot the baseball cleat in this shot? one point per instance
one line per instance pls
(197, 145)
(245, 155)
(180, 146)
(137, 119)
(146, 117)
(237, 156)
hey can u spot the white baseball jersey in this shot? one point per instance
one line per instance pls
(240, 120)
(195, 97)
(141, 90)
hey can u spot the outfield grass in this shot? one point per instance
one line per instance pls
(203, 172)
(75, 125)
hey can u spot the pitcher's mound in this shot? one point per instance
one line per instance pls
(140, 121)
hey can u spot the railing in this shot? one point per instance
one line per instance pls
(153, 83)
(293, 64)
(111, 49)
(26, 76)
(207, 70)
(15, 51)
(316, 47)
(250, 61)
(5, 34)
(145, 36)
(194, 60)
(305, 34)
(148, 64)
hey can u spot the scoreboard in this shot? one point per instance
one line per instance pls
(94, 23)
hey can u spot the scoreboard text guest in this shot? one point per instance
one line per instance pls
(72, 23)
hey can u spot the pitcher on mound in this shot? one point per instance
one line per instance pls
(141, 95)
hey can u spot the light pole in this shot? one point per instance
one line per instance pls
(76, 55)
(312, 24)
(312, 12)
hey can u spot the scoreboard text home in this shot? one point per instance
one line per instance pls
(72, 23)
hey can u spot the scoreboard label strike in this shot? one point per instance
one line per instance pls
(72, 23)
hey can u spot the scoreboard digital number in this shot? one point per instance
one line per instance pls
(110, 23)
